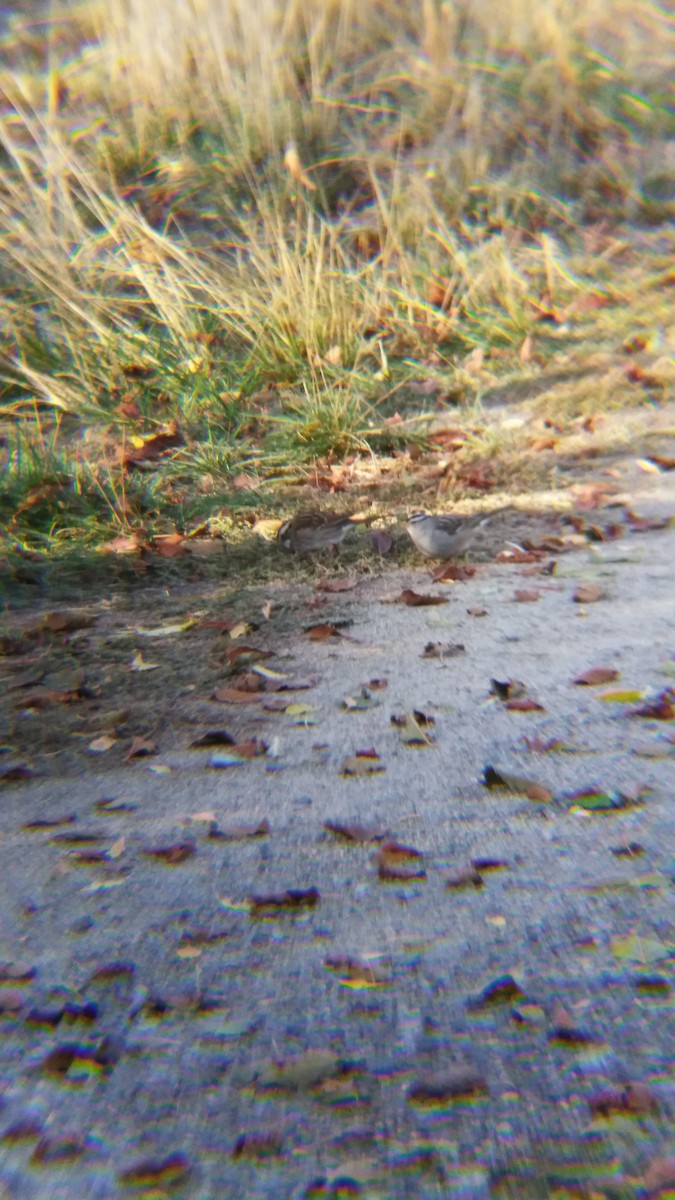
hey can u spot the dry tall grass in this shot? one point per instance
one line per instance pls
(234, 192)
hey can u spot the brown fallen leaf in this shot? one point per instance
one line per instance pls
(357, 970)
(495, 777)
(659, 1178)
(565, 1030)
(414, 728)
(507, 689)
(58, 1150)
(520, 556)
(595, 676)
(464, 878)
(324, 631)
(140, 748)
(169, 545)
(292, 900)
(524, 704)
(453, 573)
(489, 864)
(172, 1171)
(504, 990)
(338, 585)
(156, 446)
(523, 596)
(442, 650)
(477, 611)
(392, 871)
(588, 593)
(360, 835)
(258, 1144)
(417, 599)
(239, 833)
(399, 863)
(457, 1082)
(661, 708)
(364, 762)
(16, 972)
(17, 773)
(172, 855)
(49, 822)
(633, 1099)
(398, 852)
(213, 737)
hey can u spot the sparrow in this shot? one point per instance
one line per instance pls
(444, 536)
(311, 531)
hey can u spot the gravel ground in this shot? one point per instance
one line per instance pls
(500, 1024)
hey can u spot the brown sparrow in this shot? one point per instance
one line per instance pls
(444, 536)
(311, 531)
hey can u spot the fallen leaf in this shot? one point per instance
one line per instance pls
(322, 632)
(140, 747)
(101, 745)
(524, 704)
(357, 972)
(465, 878)
(442, 650)
(588, 593)
(138, 663)
(172, 855)
(595, 676)
(226, 759)
(213, 737)
(160, 631)
(507, 689)
(131, 543)
(172, 1172)
(489, 864)
(294, 900)
(397, 863)
(360, 702)
(49, 822)
(413, 728)
(16, 972)
(633, 1099)
(477, 611)
(522, 596)
(503, 990)
(301, 1072)
(659, 1178)
(169, 545)
(417, 600)
(353, 832)
(453, 573)
(621, 696)
(58, 1150)
(634, 947)
(364, 762)
(338, 585)
(661, 708)
(239, 833)
(458, 1082)
(62, 622)
(17, 773)
(519, 784)
(598, 800)
(258, 1144)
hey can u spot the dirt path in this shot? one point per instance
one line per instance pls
(270, 1014)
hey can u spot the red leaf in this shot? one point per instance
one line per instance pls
(596, 675)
